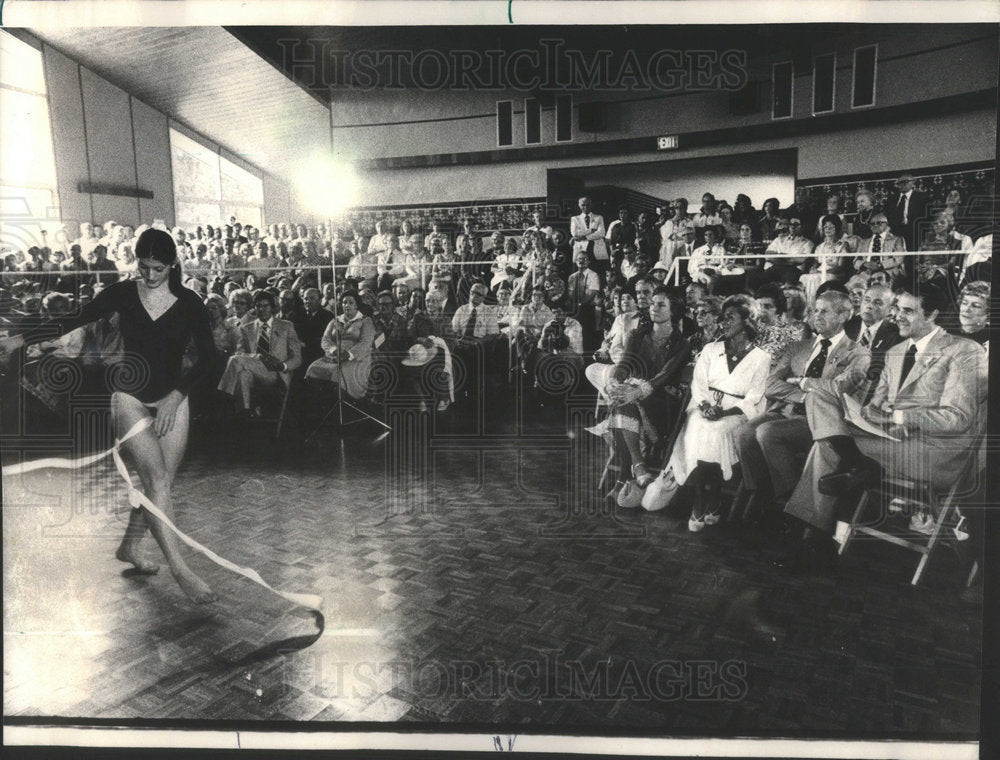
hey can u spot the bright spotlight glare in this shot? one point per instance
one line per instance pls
(328, 187)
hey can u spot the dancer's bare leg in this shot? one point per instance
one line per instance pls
(128, 550)
(172, 446)
(157, 460)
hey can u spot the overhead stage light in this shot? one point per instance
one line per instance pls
(328, 186)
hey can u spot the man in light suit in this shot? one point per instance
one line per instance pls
(682, 245)
(872, 251)
(587, 231)
(930, 398)
(768, 444)
(269, 351)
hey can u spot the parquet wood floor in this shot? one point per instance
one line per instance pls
(469, 575)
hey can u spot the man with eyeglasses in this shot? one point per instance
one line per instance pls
(475, 325)
(793, 247)
(240, 304)
(871, 252)
(269, 351)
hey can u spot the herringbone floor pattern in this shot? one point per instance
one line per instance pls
(469, 575)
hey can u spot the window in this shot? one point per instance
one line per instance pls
(532, 121)
(564, 118)
(29, 196)
(781, 90)
(505, 123)
(208, 189)
(824, 83)
(863, 91)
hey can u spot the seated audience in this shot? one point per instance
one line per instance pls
(927, 405)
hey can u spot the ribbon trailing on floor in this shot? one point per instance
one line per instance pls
(136, 498)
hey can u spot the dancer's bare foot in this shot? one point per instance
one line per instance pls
(145, 567)
(194, 587)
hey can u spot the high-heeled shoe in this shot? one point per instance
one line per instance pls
(643, 477)
(711, 518)
(695, 524)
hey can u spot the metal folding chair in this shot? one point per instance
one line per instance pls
(924, 494)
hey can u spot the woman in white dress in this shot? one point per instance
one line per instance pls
(726, 391)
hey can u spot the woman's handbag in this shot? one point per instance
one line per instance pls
(660, 492)
(631, 495)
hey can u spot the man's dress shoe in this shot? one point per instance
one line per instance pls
(847, 482)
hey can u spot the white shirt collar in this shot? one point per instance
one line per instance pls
(833, 341)
(875, 327)
(924, 341)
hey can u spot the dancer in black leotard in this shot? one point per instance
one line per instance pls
(157, 317)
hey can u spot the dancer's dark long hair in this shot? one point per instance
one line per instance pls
(159, 245)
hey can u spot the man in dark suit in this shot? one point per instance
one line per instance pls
(768, 443)
(311, 324)
(930, 403)
(906, 209)
(872, 330)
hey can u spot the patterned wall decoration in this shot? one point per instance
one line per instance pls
(976, 186)
(508, 216)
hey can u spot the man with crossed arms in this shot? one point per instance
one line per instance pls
(587, 231)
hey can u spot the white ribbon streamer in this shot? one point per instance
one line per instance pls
(136, 498)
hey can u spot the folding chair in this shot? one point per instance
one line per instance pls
(926, 496)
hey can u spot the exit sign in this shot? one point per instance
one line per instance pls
(668, 142)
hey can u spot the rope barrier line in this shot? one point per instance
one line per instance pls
(137, 498)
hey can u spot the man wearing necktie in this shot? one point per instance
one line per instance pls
(269, 350)
(906, 210)
(587, 231)
(769, 443)
(930, 400)
(874, 331)
(476, 325)
(881, 242)
(582, 290)
(683, 246)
